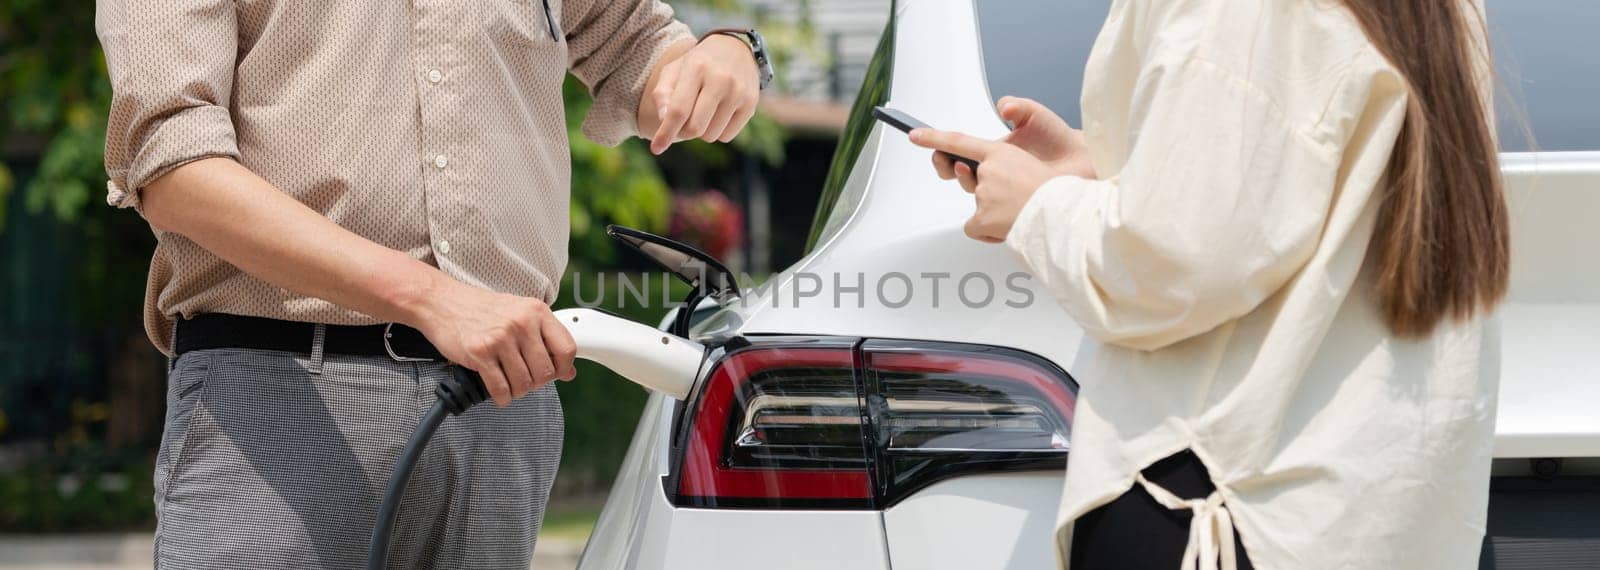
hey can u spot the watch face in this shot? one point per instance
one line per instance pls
(759, 46)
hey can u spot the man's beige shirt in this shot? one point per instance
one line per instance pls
(433, 127)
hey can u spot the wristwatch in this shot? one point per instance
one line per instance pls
(758, 47)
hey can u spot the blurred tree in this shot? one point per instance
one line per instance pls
(55, 98)
(609, 185)
(622, 185)
(53, 83)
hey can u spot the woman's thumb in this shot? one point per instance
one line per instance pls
(1020, 111)
(1015, 109)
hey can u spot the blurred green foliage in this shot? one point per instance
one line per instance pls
(54, 101)
(609, 185)
(55, 92)
(51, 497)
(81, 485)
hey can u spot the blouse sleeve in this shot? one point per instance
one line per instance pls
(1220, 202)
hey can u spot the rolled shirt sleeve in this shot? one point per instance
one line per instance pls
(1221, 200)
(171, 64)
(612, 46)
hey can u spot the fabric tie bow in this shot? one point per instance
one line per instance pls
(1210, 529)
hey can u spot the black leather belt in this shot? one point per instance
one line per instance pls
(221, 330)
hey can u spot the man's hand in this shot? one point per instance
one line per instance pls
(709, 93)
(514, 343)
(1010, 176)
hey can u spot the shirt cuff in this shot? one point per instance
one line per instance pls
(615, 114)
(187, 136)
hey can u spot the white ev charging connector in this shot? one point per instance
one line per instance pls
(646, 356)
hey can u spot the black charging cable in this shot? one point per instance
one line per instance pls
(461, 390)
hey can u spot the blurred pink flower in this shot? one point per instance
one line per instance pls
(708, 220)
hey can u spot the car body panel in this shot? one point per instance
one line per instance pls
(734, 538)
(1550, 324)
(910, 223)
(979, 522)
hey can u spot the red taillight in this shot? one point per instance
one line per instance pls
(861, 426)
(1036, 380)
(742, 407)
(941, 411)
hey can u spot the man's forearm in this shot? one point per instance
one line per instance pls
(242, 218)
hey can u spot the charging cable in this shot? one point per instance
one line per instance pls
(461, 390)
(642, 354)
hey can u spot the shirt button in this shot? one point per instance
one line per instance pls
(444, 246)
(435, 76)
(440, 161)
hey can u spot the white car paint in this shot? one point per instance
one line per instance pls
(1550, 335)
(1006, 519)
(910, 221)
(905, 220)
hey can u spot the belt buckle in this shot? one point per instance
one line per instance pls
(388, 333)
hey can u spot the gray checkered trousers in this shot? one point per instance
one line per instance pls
(279, 460)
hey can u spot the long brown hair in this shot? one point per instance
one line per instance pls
(1442, 240)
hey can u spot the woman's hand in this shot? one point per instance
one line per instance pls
(1040, 147)
(1010, 177)
(1042, 133)
(1046, 135)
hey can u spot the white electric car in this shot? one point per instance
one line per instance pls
(902, 396)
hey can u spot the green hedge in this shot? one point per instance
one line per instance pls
(79, 493)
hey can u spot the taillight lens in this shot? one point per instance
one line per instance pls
(968, 403)
(940, 411)
(861, 425)
(778, 426)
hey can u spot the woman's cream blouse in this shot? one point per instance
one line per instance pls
(1221, 266)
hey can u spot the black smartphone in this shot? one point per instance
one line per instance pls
(905, 122)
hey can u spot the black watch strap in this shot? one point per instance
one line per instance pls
(758, 48)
